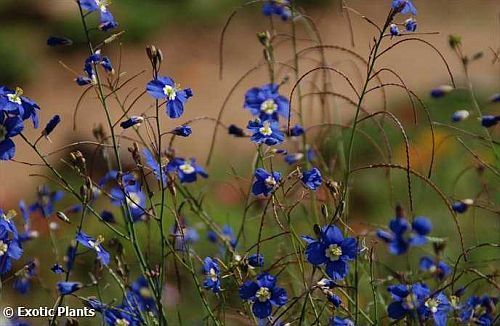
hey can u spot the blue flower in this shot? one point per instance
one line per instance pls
(57, 41)
(333, 250)
(438, 268)
(488, 121)
(265, 182)
(57, 269)
(400, 238)
(293, 158)
(211, 270)
(461, 206)
(183, 235)
(10, 248)
(22, 283)
(460, 115)
(411, 25)
(478, 310)
(107, 216)
(394, 30)
(51, 125)
(122, 315)
(327, 287)
(338, 321)
(46, 199)
(183, 131)
(312, 179)
(140, 295)
(13, 103)
(66, 288)
(256, 260)
(495, 98)
(266, 103)
(9, 127)
(152, 163)
(264, 294)
(404, 7)
(165, 88)
(441, 91)
(70, 255)
(187, 170)
(93, 244)
(130, 195)
(279, 8)
(227, 232)
(407, 299)
(132, 121)
(88, 68)
(296, 131)
(107, 19)
(266, 132)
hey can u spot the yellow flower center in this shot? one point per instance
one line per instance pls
(16, 97)
(263, 294)
(170, 92)
(212, 274)
(145, 292)
(269, 106)
(133, 199)
(95, 244)
(266, 129)
(270, 182)
(333, 252)
(3, 248)
(122, 322)
(187, 168)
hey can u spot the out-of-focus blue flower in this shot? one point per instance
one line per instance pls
(46, 199)
(51, 125)
(130, 195)
(58, 41)
(441, 91)
(211, 270)
(70, 255)
(312, 179)
(107, 20)
(183, 235)
(23, 279)
(478, 310)
(460, 115)
(296, 131)
(66, 288)
(462, 206)
(279, 8)
(266, 103)
(57, 269)
(132, 121)
(333, 250)
(293, 158)
(338, 321)
(152, 163)
(183, 131)
(401, 238)
(9, 127)
(394, 30)
(488, 121)
(14, 104)
(438, 268)
(107, 216)
(165, 88)
(411, 25)
(89, 68)
(140, 295)
(266, 132)
(495, 98)
(187, 170)
(256, 260)
(94, 244)
(327, 287)
(227, 232)
(265, 182)
(236, 131)
(264, 294)
(404, 7)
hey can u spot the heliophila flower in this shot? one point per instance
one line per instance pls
(404, 7)
(265, 182)
(264, 294)
(266, 103)
(266, 132)
(94, 244)
(107, 20)
(312, 179)
(9, 127)
(66, 288)
(165, 88)
(187, 170)
(211, 270)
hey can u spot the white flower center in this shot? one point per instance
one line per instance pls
(170, 92)
(269, 106)
(102, 4)
(145, 293)
(432, 304)
(266, 129)
(263, 294)
(270, 182)
(187, 168)
(16, 97)
(3, 248)
(410, 301)
(133, 200)
(122, 322)
(213, 275)
(333, 252)
(95, 244)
